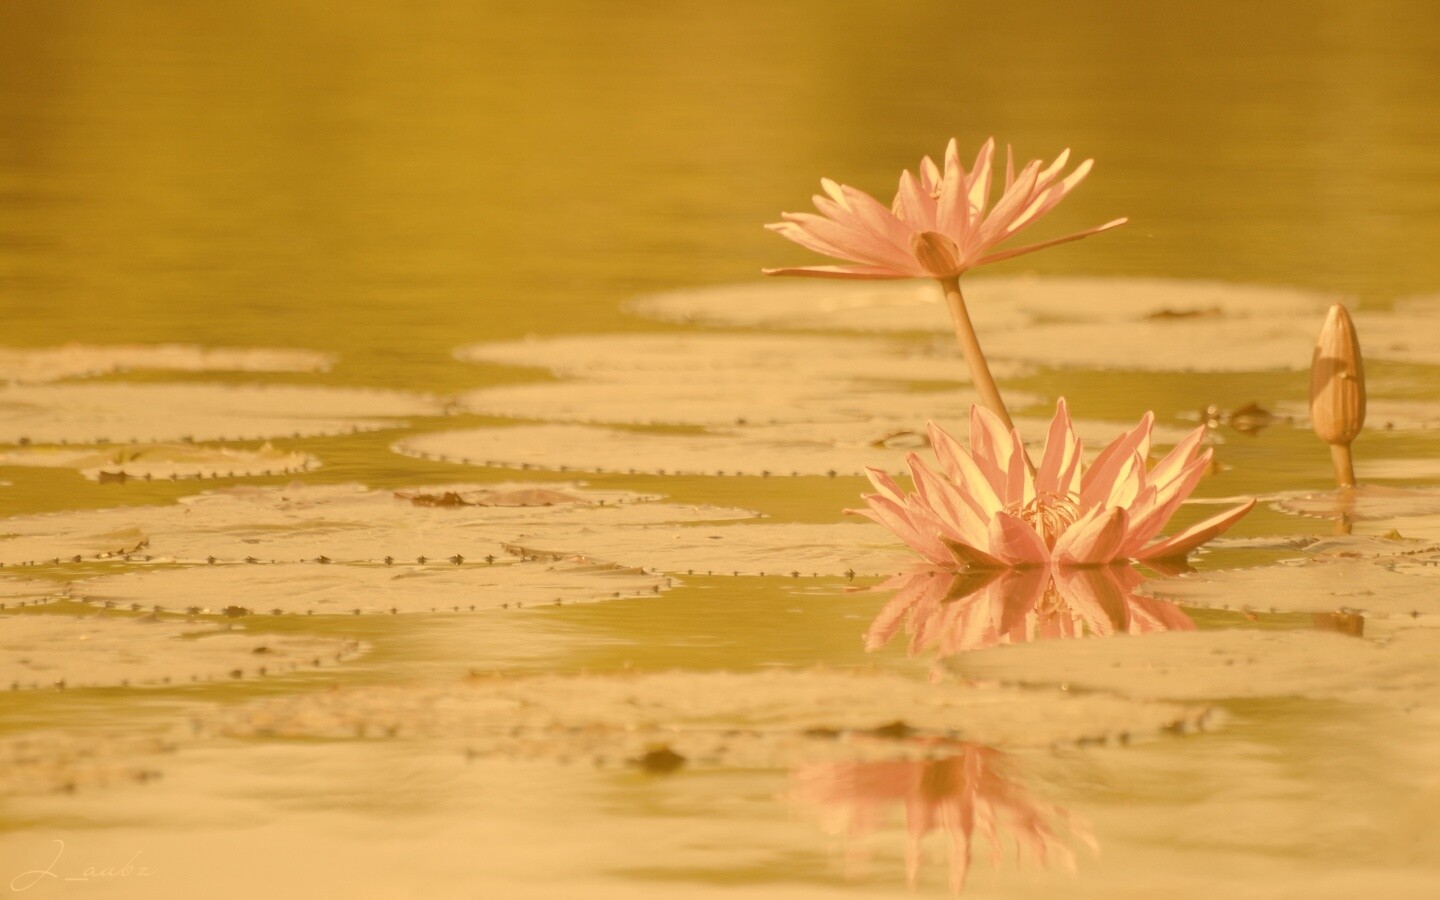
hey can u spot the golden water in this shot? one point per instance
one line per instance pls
(387, 181)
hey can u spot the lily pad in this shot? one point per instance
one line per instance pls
(1227, 663)
(836, 448)
(843, 548)
(43, 762)
(757, 359)
(45, 364)
(162, 461)
(341, 523)
(25, 591)
(1408, 333)
(1317, 584)
(764, 719)
(1412, 513)
(996, 303)
(50, 651)
(311, 588)
(135, 413)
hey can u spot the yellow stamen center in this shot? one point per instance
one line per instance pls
(1049, 514)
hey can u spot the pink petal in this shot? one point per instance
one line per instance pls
(958, 518)
(1099, 477)
(1061, 452)
(970, 556)
(972, 481)
(1020, 251)
(914, 204)
(990, 447)
(1150, 518)
(867, 272)
(1096, 541)
(1196, 535)
(1015, 543)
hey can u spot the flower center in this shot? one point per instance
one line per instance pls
(1049, 514)
(936, 253)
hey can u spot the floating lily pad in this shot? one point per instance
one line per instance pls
(1421, 469)
(1409, 333)
(338, 589)
(838, 448)
(162, 461)
(43, 364)
(343, 523)
(757, 359)
(1229, 663)
(25, 591)
(49, 651)
(1412, 513)
(996, 303)
(1317, 584)
(771, 718)
(1219, 344)
(43, 762)
(134, 413)
(857, 548)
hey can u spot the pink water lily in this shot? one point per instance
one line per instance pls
(986, 509)
(940, 224)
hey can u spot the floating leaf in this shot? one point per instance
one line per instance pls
(43, 364)
(339, 589)
(750, 549)
(996, 303)
(757, 359)
(840, 448)
(49, 651)
(162, 461)
(341, 523)
(24, 591)
(1316, 584)
(1228, 663)
(1406, 512)
(712, 718)
(44, 762)
(134, 413)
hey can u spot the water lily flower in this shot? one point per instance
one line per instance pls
(986, 509)
(940, 225)
(951, 611)
(968, 789)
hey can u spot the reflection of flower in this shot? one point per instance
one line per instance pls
(987, 509)
(969, 790)
(951, 611)
(940, 223)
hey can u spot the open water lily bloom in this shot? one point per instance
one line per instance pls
(940, 224)
(984, 508)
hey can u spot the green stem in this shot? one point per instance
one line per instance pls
(970, 348)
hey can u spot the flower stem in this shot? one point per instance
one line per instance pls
(970, 348)
(1344, 465)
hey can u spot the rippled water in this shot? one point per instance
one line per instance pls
(389, 184)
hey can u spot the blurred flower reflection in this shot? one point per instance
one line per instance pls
(951, 611)
(970, 789)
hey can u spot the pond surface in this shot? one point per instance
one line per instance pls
(393, 354)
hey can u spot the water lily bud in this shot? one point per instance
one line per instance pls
(936, 252)
(1337, 380)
